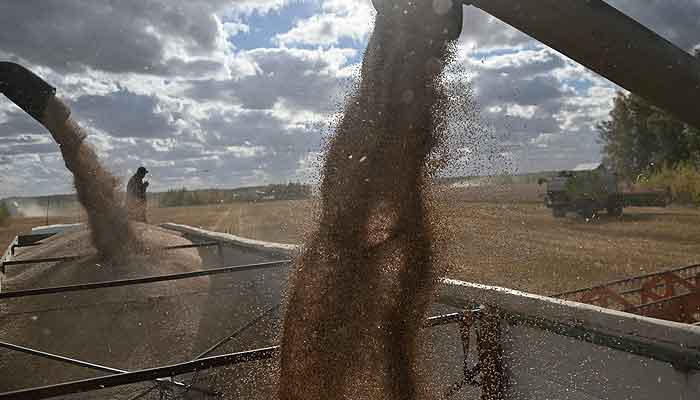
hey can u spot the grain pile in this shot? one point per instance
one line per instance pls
(130, 327)
(364, 280)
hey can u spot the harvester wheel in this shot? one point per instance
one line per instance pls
(615, 211)
(587, 212)
(558, 212)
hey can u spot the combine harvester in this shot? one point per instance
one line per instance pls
(586, 192)
(485, 342)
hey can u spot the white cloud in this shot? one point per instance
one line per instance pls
(160, 83)
(338, 20)
(245, 151)
(517, 110)
(262, 7)
(586, 166)
(234, 28)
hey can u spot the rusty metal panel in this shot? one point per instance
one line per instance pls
(655, 295)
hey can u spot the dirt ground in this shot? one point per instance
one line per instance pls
(510, 241)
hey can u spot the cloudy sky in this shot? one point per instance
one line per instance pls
(214, 93)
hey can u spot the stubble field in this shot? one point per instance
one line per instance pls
(499, 236)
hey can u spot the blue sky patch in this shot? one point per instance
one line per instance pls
(263, 28)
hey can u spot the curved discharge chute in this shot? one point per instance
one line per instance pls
(97, 188)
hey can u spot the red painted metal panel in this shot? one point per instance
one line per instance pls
(672, 295)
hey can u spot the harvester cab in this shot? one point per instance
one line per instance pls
(584, 192)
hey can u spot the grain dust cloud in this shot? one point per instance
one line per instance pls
(365, 278)
(96, 187)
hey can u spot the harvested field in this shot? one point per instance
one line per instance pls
(15, 225)
(515, 193)
(522, 246)
(512, 244)
(274, 221)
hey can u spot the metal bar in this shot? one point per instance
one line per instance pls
(468, 372)
(630, 292)
(40, 260)
(70, 258)
(624, 280)
(25, 240)
(494, 378)
(428, 323)
(447, 318)
(232, 336)
(149, 374)
(633, 309)
(59, 358)
(235, 334)
(144, 393)
(605, 40)
(684, 359)
(191, 245)
(657, 286)
(126, 378)
(29, 241)
(85, 364)
(139, 281)
(28, 245)
(9, 252)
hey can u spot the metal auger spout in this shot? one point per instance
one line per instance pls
(24, 88)
(38, 98)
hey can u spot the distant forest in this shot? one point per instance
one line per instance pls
(56, 204)
(67, 203)
(185, 197)
(650, 147)
(502, 179)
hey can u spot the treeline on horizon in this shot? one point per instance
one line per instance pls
(176, 197)
(527, 178)
(650, 147)
(288, 191)
(185, 197)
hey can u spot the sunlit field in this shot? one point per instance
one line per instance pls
(503, 237)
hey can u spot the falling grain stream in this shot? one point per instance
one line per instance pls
(96, 187)
(365, 278)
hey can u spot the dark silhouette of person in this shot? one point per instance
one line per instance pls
(136, 195)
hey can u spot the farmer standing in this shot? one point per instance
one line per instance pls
(136, 195)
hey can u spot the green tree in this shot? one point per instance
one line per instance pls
(616, 135)
(640, 137)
